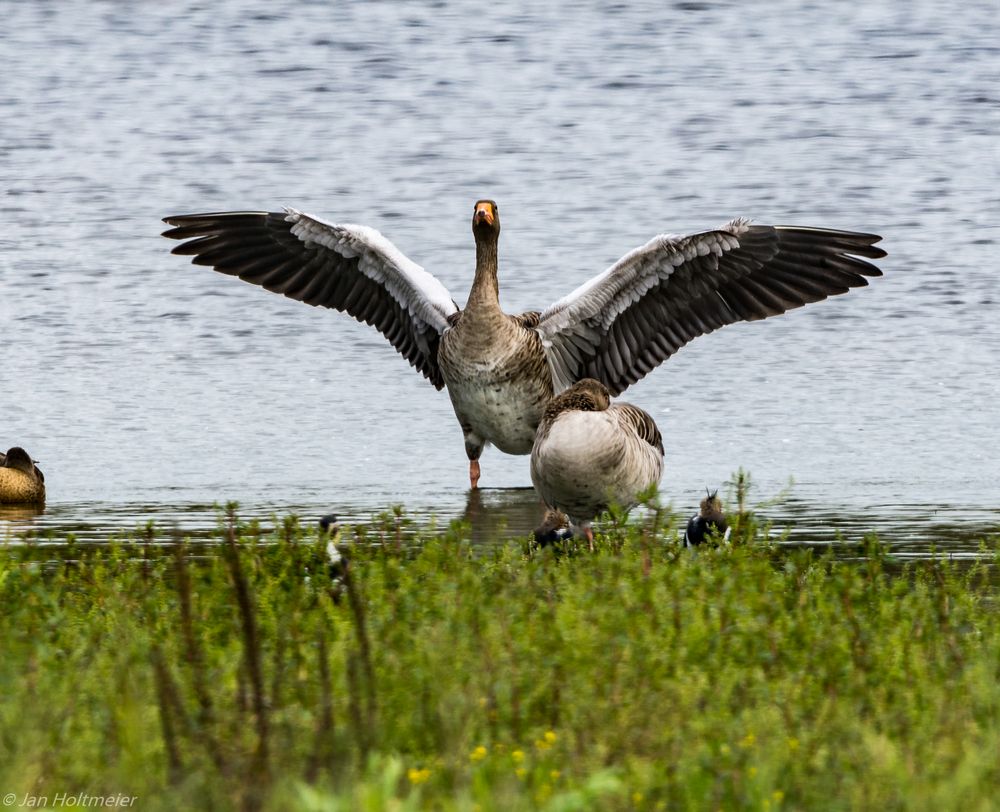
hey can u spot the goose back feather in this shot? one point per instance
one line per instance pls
(590, 453)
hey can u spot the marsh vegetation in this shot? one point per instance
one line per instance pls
(250, 674)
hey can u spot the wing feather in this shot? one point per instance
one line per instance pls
(641, 422)
(627, 320)
(345, 267)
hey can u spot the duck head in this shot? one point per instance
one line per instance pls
(486, 220)
(19, 459)
(554, 527)
(711, 504)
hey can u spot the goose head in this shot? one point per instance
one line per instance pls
(486, 220)
(586, 395)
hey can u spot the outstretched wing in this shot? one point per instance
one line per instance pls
(654, 300)
(346, 267)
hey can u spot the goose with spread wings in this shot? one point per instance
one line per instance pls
(500, 370)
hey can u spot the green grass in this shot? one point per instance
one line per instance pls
(640, 676)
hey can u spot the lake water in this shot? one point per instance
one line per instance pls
(149, 388)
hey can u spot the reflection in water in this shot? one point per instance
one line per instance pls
(502, 514)
(17, 518)
(499, 513)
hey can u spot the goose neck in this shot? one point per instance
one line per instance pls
(485, 293)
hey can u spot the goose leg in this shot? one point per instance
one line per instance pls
(588, 534)
(473, 449)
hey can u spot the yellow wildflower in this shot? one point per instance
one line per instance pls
(793, 744)
(748, 741)
(518, 756)
(550, 736)
(636, 798)
(478, 754)
(554, 775)
(520, 772)
(778, 796)
(418, 776)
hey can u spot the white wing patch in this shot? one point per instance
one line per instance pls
(413, 288)
(574, 325)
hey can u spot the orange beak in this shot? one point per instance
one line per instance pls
(483, 214)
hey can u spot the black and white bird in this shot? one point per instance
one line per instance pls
(707, 522)
(555, 528)
(501, 370)
(335, 559)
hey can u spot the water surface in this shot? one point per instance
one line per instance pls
(149, 388)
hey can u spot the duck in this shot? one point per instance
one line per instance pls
(21, 481)
(709, 520)
(590, 453)
(334, 560)
(555, 528)
(500, 369)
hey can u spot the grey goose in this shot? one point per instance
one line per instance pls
(590, 453)
(501, 369)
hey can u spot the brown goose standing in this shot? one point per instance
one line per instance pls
(21, 481)
(590, 453)
(500, 369)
